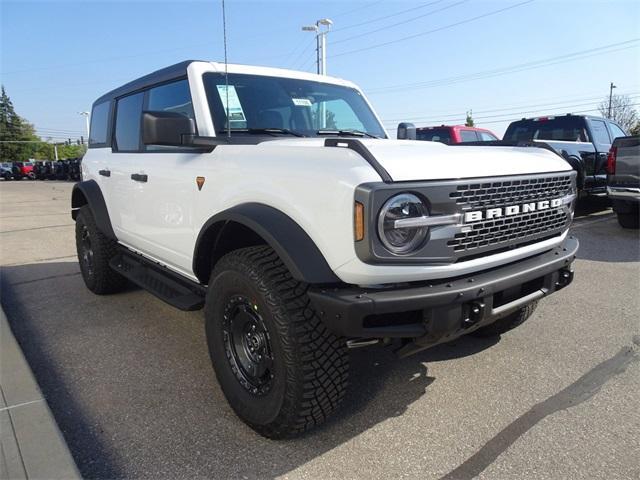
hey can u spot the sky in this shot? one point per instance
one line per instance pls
(427, 62)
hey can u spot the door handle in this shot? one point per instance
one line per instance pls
(139, 177)
(105, 173)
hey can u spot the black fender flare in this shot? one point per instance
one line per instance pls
(88, 193)
(292, 244)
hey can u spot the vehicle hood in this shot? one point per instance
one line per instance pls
(407, 160)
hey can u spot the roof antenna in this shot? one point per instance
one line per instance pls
(226, 68)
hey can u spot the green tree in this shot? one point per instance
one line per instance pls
(17, 136)
(469, 122)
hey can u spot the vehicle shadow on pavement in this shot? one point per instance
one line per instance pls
(590, 205)
(130, 384)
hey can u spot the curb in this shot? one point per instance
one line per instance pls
(31, 444)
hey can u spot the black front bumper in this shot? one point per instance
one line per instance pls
(436, 312)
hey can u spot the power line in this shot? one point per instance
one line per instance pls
(520, 115)
(451, 25)
(385, 17)
(511, 69)
(505, 110)
(400, 23)
(580, 111)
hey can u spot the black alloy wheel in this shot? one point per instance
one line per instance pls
(248, 345)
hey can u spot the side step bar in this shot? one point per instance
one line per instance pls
(160, 281)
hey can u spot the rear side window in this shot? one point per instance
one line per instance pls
(442, 135)
(599, 131)
(616, 131)
(568, 129)
(468, 136)
(128, 120)
(99, 125)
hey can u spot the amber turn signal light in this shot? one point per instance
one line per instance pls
(358, 221)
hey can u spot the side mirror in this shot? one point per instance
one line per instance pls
(406, 131)
(166, 128)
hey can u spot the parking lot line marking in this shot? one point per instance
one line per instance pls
(38, 228)
(38, 260)
(11, 407)
(25, 282)
(39, 215)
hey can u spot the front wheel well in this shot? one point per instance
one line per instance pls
(78, 199)
(219, 239)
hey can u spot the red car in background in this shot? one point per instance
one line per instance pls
(453, 134)
(23, 170)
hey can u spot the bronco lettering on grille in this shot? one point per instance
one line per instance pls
(477, 215)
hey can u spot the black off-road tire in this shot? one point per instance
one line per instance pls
(98, 276)
(507, 323)
(629, 220)
(308, 366)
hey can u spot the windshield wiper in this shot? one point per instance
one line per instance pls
(355, 133)
(270, 131)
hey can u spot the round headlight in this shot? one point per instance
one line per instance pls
(402, 240)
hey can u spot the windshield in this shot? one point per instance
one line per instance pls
(302, 107)
(567, 129)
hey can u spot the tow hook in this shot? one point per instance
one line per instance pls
(476, 312)
(565, 277)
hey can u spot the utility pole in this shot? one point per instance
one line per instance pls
(611, 87)
(55, 151)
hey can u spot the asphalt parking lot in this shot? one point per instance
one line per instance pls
(129, 381)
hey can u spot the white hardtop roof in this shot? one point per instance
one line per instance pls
(279, 72)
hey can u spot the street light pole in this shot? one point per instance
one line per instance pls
(86, 117)
(611, 87)
(321, 43)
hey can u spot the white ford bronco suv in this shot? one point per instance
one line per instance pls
(275, 200)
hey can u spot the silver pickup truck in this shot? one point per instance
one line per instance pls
(623, 180)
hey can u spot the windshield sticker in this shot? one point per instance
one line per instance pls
(301, 102)
(235, 112)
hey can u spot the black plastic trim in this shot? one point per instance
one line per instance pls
(358, 147)
(344, 309)
(90, 190)
(165, 284)
(292, 244)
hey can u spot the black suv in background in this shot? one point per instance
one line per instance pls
(583, 140)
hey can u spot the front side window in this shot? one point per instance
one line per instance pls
(468, 136)
(255, 102)
(172, 97)
(99, 124)
(487, 137)
(128, 119)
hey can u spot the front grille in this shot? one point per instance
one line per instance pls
(510, 229)
(511, 192)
